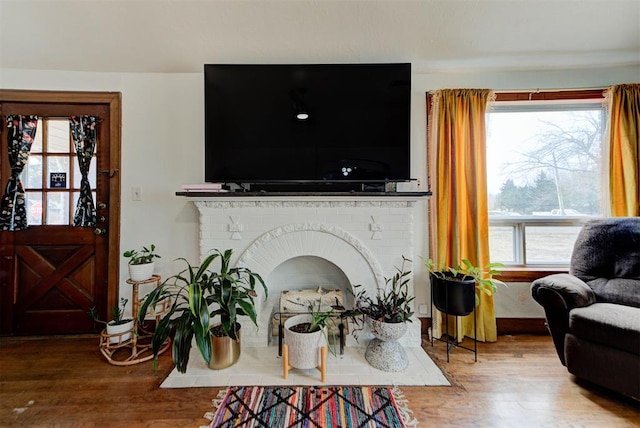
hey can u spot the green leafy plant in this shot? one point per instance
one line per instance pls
(116, 314)
(199, 295)
(319, 318)
(484, 277)
(391, 304)
(141, 257)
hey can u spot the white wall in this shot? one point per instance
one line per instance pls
(162, 148)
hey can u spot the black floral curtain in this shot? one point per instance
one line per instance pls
(83, 131)
(21, 130)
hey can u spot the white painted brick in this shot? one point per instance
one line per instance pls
(338, 231)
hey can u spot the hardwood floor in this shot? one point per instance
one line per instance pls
(517, 382)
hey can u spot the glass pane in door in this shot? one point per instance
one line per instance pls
(58, 172)
(36, 146)
(34, 208)
(58, 136)
(57, 208)
(32, 173)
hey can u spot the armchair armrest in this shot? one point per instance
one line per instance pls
(558, 294)
(562, 290)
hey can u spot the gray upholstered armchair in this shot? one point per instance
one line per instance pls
(593, 313)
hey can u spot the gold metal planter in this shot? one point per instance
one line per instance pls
(225, 351)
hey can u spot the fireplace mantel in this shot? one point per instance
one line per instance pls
(321, 195)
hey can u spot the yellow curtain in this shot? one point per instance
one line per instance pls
(624, 149)
(460, 222)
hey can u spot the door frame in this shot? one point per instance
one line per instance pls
(114, 102)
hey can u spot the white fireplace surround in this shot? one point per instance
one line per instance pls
(364, 237)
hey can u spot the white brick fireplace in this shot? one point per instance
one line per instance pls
(290, 242)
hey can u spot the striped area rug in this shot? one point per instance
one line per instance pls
(311, 407)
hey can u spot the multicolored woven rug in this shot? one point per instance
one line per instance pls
(311, 407)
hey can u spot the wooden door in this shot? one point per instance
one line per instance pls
(54, 272)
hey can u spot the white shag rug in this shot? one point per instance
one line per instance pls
(261, 366)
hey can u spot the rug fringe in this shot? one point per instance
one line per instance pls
(403, 407)
(216, 402)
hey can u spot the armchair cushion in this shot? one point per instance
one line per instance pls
(608, 324)
(622, 291)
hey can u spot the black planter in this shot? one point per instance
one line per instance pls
(453, 296)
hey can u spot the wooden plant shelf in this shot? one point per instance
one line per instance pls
(137, 348)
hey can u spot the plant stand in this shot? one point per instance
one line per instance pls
(450, 340)
(322, 367)
(304, 350)
(137, 348)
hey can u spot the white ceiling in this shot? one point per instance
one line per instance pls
(181, 35)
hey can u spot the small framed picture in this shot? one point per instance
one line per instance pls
(58, 180)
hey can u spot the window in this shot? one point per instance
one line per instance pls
(52, 176)
(544, 169)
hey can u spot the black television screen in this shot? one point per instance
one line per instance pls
(356, 130)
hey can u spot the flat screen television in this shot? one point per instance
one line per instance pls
(356, 129)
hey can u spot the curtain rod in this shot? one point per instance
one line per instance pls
(539, 94)
(538, 90)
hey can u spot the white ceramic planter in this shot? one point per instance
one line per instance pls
(304, 348)
(386, 331)
(141, 272)
(119, 333)
(384, 352)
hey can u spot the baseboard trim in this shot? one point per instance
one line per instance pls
(425, 324)
(506, 325)
(522, 326)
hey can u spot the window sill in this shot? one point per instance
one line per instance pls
(527, 274)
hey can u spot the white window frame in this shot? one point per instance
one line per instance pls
(520, 224)
(541, 101)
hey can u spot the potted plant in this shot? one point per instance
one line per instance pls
(455, 291)
(198, 296)
(306, 339)
(391, 304)
(386, 314)
(118, 329)
(306, 333)
(141, 263)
